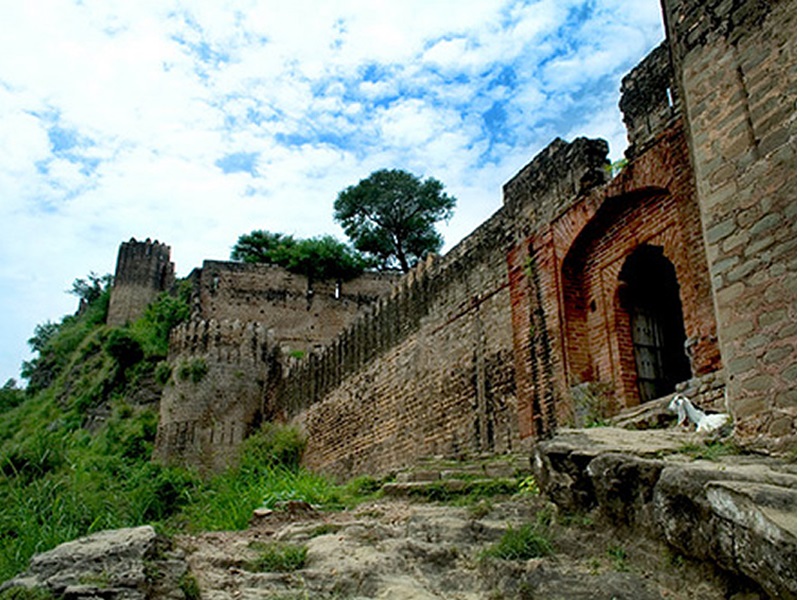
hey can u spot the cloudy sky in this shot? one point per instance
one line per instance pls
(195, 122)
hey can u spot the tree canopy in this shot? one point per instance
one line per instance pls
(390, 216)
(318, 258)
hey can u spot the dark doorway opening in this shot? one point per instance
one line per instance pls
(650, 294)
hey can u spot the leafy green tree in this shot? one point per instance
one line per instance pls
(322, 257)
(390, 216)
(91, 288)
(263, 247)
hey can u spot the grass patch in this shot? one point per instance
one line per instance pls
(521, 543)
(23, 593)
(189, 586)
(710, 450)
(281, 558)
(619, 557)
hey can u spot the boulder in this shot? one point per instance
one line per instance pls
(121, 564)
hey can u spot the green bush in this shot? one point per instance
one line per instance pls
(272, 446)
(123, 348)
(194, 370)
(163, 372)
(189, 586)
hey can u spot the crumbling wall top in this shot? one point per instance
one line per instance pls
(556, 177)
(649, 100)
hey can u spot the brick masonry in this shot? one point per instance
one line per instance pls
(489, 347)
(143, 271)
(737, 68)
(428, 372)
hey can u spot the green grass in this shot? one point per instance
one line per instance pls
(521, 543)
(282, 558)
(710, 450)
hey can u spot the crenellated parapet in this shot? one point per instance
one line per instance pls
(650, 101)
(230, 342)
(143, 271)
(555, 179)
(423, 296)
(213, 399)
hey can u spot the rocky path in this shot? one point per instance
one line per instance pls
(621, 515)
(399, 549)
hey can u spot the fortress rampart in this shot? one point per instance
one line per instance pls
(304, 315)
(587, 292)
(143, 271)
(213, 399)
(428, 371)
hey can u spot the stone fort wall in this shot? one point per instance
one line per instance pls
(736, 69)
(429, 371)
(249, 321)
(143, 271)
(303, 315)
(486, 348)
(213, 399)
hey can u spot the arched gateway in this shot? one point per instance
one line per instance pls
(649, 295)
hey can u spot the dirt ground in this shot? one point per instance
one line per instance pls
(399, 548)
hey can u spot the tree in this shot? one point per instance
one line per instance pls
(263, 247)
(91, 288)
(318, 258)
(390, 216)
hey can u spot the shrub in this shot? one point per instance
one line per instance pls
(192, 370)
(163, 372)
(271, 446)
(123, 348)
(189, 587)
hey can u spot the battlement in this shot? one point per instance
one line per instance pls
(556, 177)
(221, 341)
(649, 101)
(213, 400)
(423, 295)
(143, 271)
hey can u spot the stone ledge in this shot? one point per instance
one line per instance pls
(739, 512)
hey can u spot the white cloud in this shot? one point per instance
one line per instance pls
(115, 115)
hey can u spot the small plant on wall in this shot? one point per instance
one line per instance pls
(193, 370)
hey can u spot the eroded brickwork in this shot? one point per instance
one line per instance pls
(428, 371)
(303, 315)
(213, 398)
(737, 67)
(143, 271)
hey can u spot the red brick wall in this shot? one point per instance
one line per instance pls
(569, 325)
(430, 371)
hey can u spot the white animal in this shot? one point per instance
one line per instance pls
(686, 411)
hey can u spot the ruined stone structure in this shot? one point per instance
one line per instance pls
(304, 315)
(249, 323)
(584, 294)
(143, 271)
(214, 397)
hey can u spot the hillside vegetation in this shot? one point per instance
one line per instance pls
(76, 445)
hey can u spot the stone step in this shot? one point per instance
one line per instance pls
(449, 486)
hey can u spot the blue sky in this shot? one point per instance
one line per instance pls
(195, 122)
